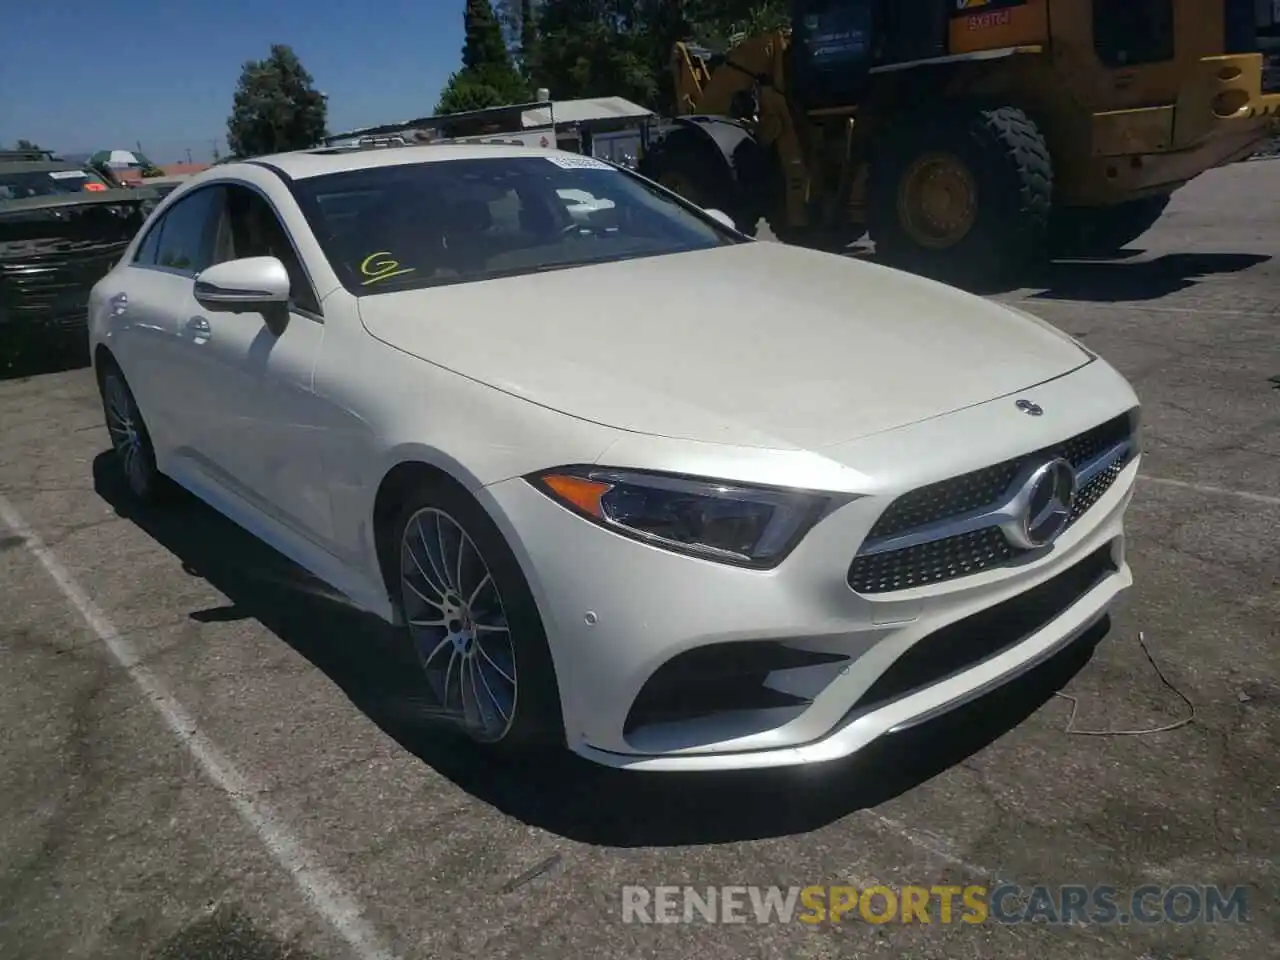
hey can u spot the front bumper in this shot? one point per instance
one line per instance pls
(616, 610)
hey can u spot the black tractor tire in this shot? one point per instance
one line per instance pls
(1008, 160)
(692, 166)
(1100, 231)
(535, 719)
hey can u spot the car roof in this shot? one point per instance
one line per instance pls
(302, 164)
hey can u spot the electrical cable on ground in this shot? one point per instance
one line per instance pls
(1075, 704)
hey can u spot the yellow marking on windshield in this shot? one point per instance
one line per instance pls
(380, 266)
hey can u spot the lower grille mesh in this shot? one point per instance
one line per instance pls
(931, 562)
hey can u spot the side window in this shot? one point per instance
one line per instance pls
(1133, 32)
(250, 228)
(185, 241)
(146, 255)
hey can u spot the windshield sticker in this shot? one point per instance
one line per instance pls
(579, 163)
(380, 266)
(69, 175)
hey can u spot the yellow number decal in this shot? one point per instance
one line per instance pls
(380, 266)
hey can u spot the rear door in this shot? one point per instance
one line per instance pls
(151, 304)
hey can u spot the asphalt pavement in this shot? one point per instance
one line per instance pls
(205, 754)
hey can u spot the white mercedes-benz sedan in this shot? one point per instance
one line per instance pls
(627, 480)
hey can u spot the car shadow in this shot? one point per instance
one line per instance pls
(1122, 276)
(1114, 279)
(553, 789)
(20, 359)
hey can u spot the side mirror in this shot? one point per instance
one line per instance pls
(249, 282)
(722, 218)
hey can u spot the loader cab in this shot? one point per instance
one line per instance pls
(831, 51)
(1134, 33)
(836, 43)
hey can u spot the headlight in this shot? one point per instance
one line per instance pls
(750, 526)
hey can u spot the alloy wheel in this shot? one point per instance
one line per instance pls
(124, 427)
(458, 625)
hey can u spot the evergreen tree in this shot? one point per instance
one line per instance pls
(276, 107)
(528, 43)
(487, 77)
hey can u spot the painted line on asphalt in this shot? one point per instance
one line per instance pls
(1214, 491)
(326, 894)
(935, 845)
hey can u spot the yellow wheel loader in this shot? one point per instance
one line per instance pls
(970, 138)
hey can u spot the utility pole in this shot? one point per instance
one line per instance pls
(188, 156)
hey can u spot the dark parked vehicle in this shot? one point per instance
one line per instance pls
(62, 227)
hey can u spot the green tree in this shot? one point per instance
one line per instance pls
(26, 145)
(597, 48)
(528, 43)
(276, 108)
(482, 45)
(519, 21)
(487, 78)
(591, 48)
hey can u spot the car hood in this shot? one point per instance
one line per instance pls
(756, 344)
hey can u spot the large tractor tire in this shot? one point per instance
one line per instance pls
(964, 197)
(691, 165)
(1099, 231)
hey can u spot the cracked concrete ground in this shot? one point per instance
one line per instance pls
(114, 843)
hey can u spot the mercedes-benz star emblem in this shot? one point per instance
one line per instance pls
(1043, 505)
(1030, 408)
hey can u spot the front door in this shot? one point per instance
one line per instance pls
(263, 439)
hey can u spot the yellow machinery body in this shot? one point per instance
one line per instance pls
(1116, 130)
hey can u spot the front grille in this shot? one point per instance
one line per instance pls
(966, 643)
(53, 289)
(981, 488)
(931, 562)
(948, 558)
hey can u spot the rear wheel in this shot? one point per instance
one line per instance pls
(473, 622)
(135, 455)
(963, 198)
(1097, 231)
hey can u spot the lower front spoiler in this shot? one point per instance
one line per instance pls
(857, 730)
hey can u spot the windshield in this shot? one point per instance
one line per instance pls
(454, 221)
(20, 184)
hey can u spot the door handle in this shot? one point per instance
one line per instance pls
(199, 329)
(119, 304)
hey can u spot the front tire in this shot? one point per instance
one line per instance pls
(473, 623)
(962, 197)
(130, 440)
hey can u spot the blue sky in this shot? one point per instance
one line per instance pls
(80, 75)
